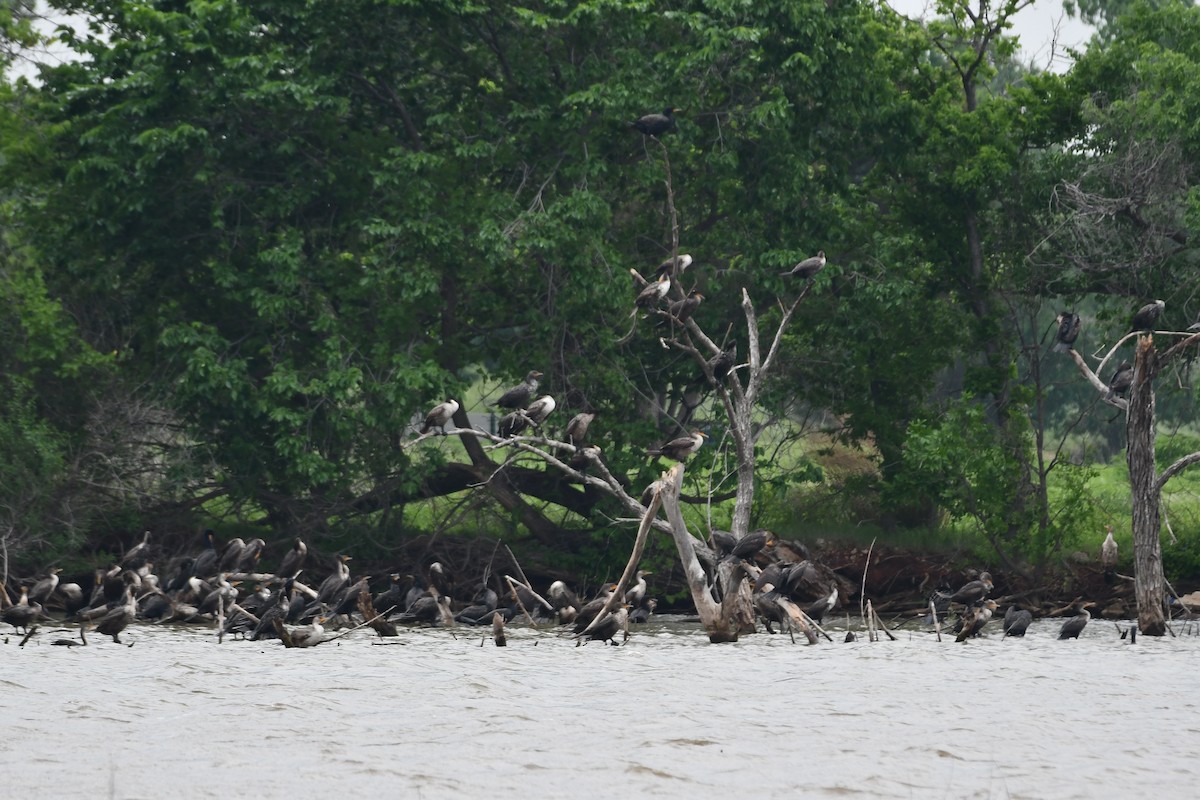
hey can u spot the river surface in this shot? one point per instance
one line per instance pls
(178, 715)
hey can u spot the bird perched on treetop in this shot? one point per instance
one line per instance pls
(1147, 315)
(1068, 331)
(680, 448)
(439, 415)
(656, 124)
(652, 294)
(809, 267)
(673, 267)
(520, 395)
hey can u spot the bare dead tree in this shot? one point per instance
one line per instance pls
(1145, 482)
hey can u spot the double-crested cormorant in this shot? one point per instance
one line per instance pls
(42, 590)
(293, 560)
(723, 542)
(1016, 621)
(652, 294)
(974, 620)
(642, 614)
(513, 424)
(817, 611)
(656, 124)
(392, 598)
(682, 310)
(439, 415)
(281, 610)
(673, 267)
(1121, 380)
(117, 619)
(973, 591)
(749, 545)
(1075, 625)
(519, 396)
(636, 593)
(1147, 316)
(251, 553)
(1108, 557)
(610, 626)
(1068, 331)
(766, 602)
(723, 363)
(540, 409)
(308, 635)
(589, 610)
(808, 268)
(577, 428)
(333, 585)
(347, 601)
(138, 555)
(680, 448)
(23, 613)
(205, 565)
(231, 555)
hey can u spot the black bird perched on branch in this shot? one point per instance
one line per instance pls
(1121, 380)
(519, 396)
(1147, 315)
(293, 560)
(808, 268)
(610, 626)
(1068, 331)
(722, 363)
(817, 611)
(682, 310)
(1016, 621)
(749, 545)
(439, 415)
(673, 267)
(655, 124)
(205, 565)
(513, 424)
(1075, 625)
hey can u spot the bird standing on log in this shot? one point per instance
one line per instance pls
(293, 560)
(974, 620)
(808, 268)
(1147, 316)
(656, 124)
(1068, 331)
(519, 396)
(1016, 621)
(680, 448)
(439, 415)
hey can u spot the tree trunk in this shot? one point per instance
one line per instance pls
(1147, 551)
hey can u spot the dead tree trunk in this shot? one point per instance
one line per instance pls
(722, 621)
(1144, 492)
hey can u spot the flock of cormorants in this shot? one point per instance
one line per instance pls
(225, 585)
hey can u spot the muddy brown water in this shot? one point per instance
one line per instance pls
(666, 715)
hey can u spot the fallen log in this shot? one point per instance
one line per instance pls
(377, 621)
